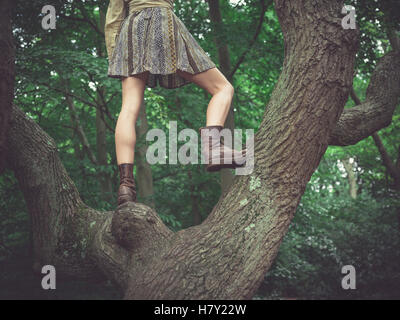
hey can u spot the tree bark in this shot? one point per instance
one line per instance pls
(196, 216)
(376, 111)
(7, 70)
(351, 177)
(228, 254)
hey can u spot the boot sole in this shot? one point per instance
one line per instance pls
(218, 167)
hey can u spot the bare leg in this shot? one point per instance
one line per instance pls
(125, 135)
(215, 83)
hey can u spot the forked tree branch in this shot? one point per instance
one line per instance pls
(375, 113)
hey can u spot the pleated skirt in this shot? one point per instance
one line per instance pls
(154, 39)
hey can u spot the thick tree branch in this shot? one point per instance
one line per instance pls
(375, 113)
(140, 228)
(66, 233)
(394, 40)
(392, 168)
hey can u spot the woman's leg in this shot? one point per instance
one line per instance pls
(216, 154)
(125, 135)
(215, 83)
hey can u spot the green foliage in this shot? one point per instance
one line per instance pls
(326, 236)
(374, 19)
(329, 230)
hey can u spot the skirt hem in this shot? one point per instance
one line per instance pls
(157, 81)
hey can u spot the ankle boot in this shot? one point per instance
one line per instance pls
(127, 187)
(216, 154)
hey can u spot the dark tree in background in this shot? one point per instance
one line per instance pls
(228, 254)
(7, 57)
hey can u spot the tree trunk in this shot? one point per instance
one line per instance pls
(228, 254)
(196, 216)
(7, 57)
(351, 177)
(391, 167)
(80, 132)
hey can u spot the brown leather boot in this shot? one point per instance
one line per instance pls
(127, 187)
(217, 156)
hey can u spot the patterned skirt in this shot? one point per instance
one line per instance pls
(154, 39)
